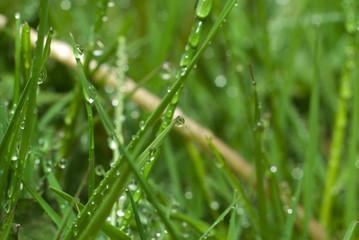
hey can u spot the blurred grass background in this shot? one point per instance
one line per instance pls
(280, 39)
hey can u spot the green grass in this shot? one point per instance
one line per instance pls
(92, 145)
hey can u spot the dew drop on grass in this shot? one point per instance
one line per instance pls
(99, 170)
(152, 151)
(62, 163)
(128, 214)
(142, 124)
(115, 102)
(203, 8)
(112, 144)
(7, 206)
(259, 126)
(10, 191)
(179, 122)
(14, 158)
(120, 213)
(165, 71)
(290, 211)
(91, 93)
(79, 52)
(42, 76)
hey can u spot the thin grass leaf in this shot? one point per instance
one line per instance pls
(289, 224)
(17, 81)
(219, 219)
(258, 160)
(108, 229)
(137, 217)
(312, 145)
(26, 51)
(234, 229)
(44, 205)
(350, 231)
(337, 143)
(233, 179)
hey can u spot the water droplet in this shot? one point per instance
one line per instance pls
(297, 173)
(142, 124)
(14, 158)
(182, 72)
(220, 81)
(236, 4)
(114, 102)
(196, 33)
(120, 213)
(214, 205)
(259, 126)
(7, 206)
(203, 8)
(37, 161)
(42, 76)
(110, 4)
(10, 191)
(179, 121)
(273, 169)
(62, 163)
(168, 89)
(290, 211)
(104, 19)
(135, 114)
(49, 165)
(188, 195)
(99, 170)
(166, 71)
(79, 52)
(113, 145)
(152, 151)
(186, 57)
(65, 5)
(17, 15)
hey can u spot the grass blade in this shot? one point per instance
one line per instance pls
(350, 231)
(219, 219)
(137, 217)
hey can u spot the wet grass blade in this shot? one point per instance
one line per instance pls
(219, 219)
(259, 161)
(110, 230)
(234, 181)
(137, 217)
(17, 81)
(289, 224)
